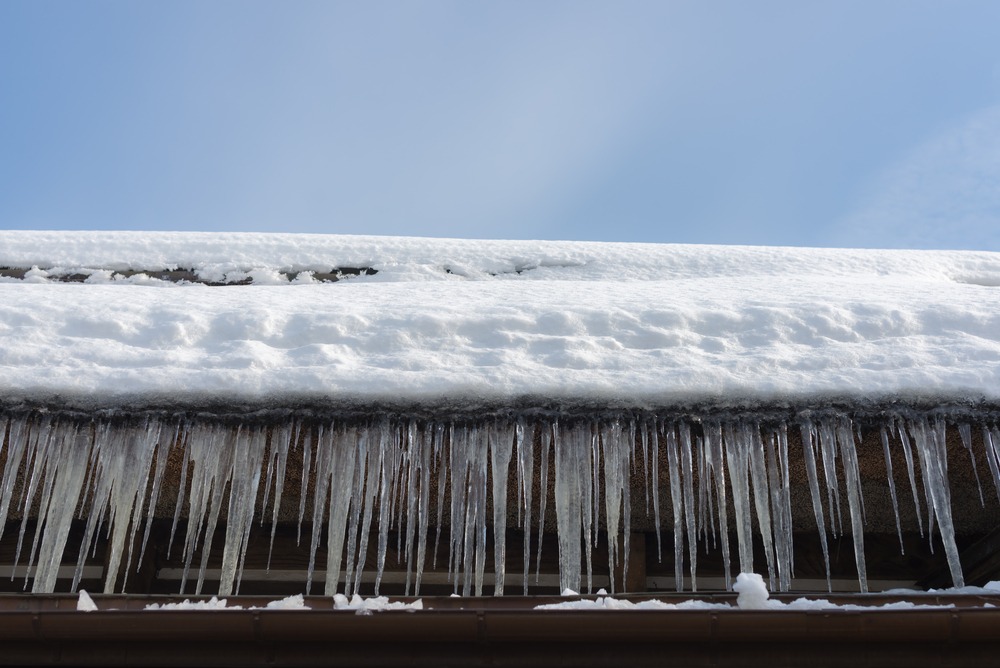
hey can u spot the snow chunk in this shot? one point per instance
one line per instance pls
(752, 592)
(296, 602)
(85, 603)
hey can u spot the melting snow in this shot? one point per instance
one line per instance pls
(373, 604)
(753, 595)
(214, 603)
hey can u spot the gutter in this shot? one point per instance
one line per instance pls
(49, 631)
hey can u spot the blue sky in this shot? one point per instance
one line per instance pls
(843, 123)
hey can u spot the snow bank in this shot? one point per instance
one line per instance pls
(490, 321)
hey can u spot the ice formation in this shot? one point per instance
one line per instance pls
(409, 475)
(437, 390)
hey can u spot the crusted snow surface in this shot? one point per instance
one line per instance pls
(490, 321)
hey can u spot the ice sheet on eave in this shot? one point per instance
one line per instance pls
(495, 321)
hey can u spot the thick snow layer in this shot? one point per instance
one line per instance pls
(492, 321)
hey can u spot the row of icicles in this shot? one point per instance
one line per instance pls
(371, 477)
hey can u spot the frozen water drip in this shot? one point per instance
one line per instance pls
(364, 479)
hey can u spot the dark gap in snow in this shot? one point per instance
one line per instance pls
(179, 275)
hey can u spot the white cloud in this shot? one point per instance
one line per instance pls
(943, 194)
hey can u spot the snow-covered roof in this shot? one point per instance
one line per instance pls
(483, 322)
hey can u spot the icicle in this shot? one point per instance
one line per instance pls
(41, 437)
(123, 459)
(427, 451)
(908, 454)
(644, 438)
(56, 514)
(440, 457)
(704, 525)
(761, 495)
(738, 459)
(389, 445)
(17, 443)
(52, 459)
(342, 494)
(677, 500)
(206, 481)
(716, 464)
(654, 427)
(323, 471)
(776, 452)
(809, 437)
(990, 444)
(568, 498)
(479, 471)
(373, 479)
(855, 501)
(546, 436)
(213, 460)
(359, 477)
(933, 466)
(459, 470)
(614, 482)
(687, 473)
(827, 439)
(162, 456)
(306, 465)
(892, 484)
(278, 462)
(179, 503)
(501, 447)
(243, 483)
(965, 432)
(525, 447)
(413, 447)
(588, 468)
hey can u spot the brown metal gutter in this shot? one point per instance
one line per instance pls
(49, 631)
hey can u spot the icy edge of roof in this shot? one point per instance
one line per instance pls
(953, 408)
